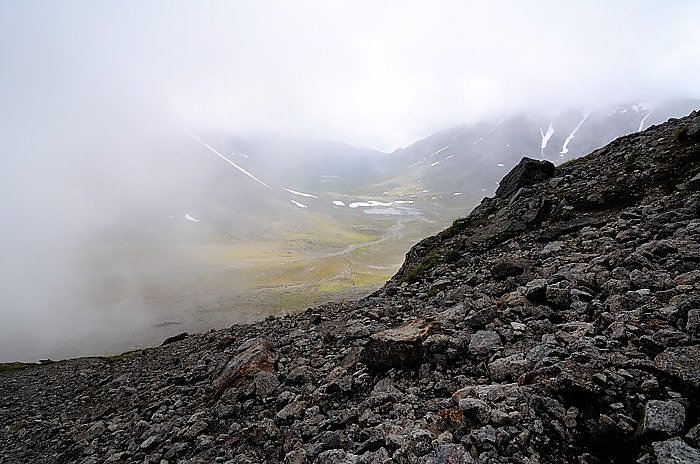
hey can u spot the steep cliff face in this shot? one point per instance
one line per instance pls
(558, 322)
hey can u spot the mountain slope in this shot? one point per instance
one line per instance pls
(557, 323)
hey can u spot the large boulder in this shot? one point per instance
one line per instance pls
(253, 357)
(527, 172)
(398, 347)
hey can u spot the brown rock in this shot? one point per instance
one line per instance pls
(398, 347)
(254, 356)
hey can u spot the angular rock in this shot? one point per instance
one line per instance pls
(450, 453)
(527, 172)
(675, 451)
(483, 342)
(694, 183)
(694, 128)
(681, 362)
(693, 323)
(507, 268)
(254, 356)
(662, 418)
(536, 290)
(509, 368)
(292, 411)
(398, 347)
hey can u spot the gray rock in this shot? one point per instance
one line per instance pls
(662, 418)
(507, 268)
(148, 442)
(558, 295)
(265, 383)
(694, 128)
(692, 326)
(292, 411)
(96, 430)
(536, 290)
(196, 429)
(509, 368)
(526, 173)
(681, 362)
(483, 342)
(450, 453)
(694, 183)
(675, 451)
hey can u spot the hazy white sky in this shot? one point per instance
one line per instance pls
(377, 73)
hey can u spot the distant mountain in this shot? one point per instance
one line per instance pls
(443, 174)
(469, 160)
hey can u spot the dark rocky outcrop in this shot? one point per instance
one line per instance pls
(567, 331)
(527, 172)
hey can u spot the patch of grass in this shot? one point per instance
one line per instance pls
(14, 366)
(122, 357)
(457, 226)
(631, 157)
(452, 256)
(572, 162)
(424, 266)
(681, 134)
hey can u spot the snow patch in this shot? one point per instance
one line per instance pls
(416, 163)
(357, 204)
(433, 164)
(213, 150)
(641, 124)
(478, 141)
(338, 203)
(299, 193)
(457, 193)
(564, 149)
(299, 204)
(440, 150)
(500, 165)
(545, 137)
(190, 218)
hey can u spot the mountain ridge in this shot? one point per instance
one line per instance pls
(558, 322)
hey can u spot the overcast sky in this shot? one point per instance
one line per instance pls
(371, 73)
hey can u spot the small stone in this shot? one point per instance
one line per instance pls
(681, 362)
(97, 429)
(694, 183)
(483, 342)
(196, 429)
(450, 453)
(148, 442)
(510, 368)
(265, 383)
(506, 268)
(292, 411)
(693, 324)
(536, 290)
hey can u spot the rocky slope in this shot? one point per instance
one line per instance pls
(559, 322)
